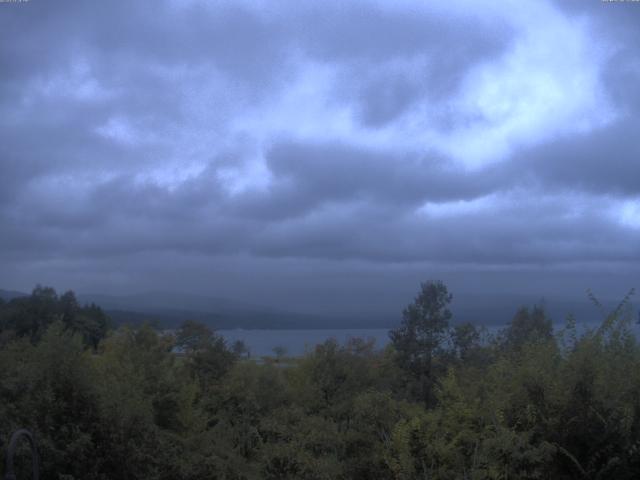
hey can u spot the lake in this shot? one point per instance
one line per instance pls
(297, 342)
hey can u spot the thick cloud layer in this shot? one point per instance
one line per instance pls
(359, 139)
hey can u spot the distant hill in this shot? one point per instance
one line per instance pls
(156, 301)
(7, 295)
(499, 310)
(170, 309)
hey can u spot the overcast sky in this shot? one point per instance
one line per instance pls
(324, 156)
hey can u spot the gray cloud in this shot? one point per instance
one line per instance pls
(615, 28)
(310, 176)
(603, 162)
(260, 137)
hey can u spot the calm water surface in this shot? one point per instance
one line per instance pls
(297, 342)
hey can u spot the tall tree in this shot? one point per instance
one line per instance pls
(528, 327)
(465, 338)
(422, 333)
(208, 356)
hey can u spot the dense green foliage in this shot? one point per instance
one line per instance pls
(440, 402)
(30, 317)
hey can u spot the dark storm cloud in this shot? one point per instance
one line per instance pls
(380, 95)
(363, 39)
(308, 176)
(296, 132)
(535, 230)
(384, 98)
(604, 162)
(50, 33)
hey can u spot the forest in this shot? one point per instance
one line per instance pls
(443, 400)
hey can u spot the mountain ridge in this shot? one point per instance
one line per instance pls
(170, 309)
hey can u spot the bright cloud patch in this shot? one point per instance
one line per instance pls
(482, 205)
(547, 84)
(629, 213)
